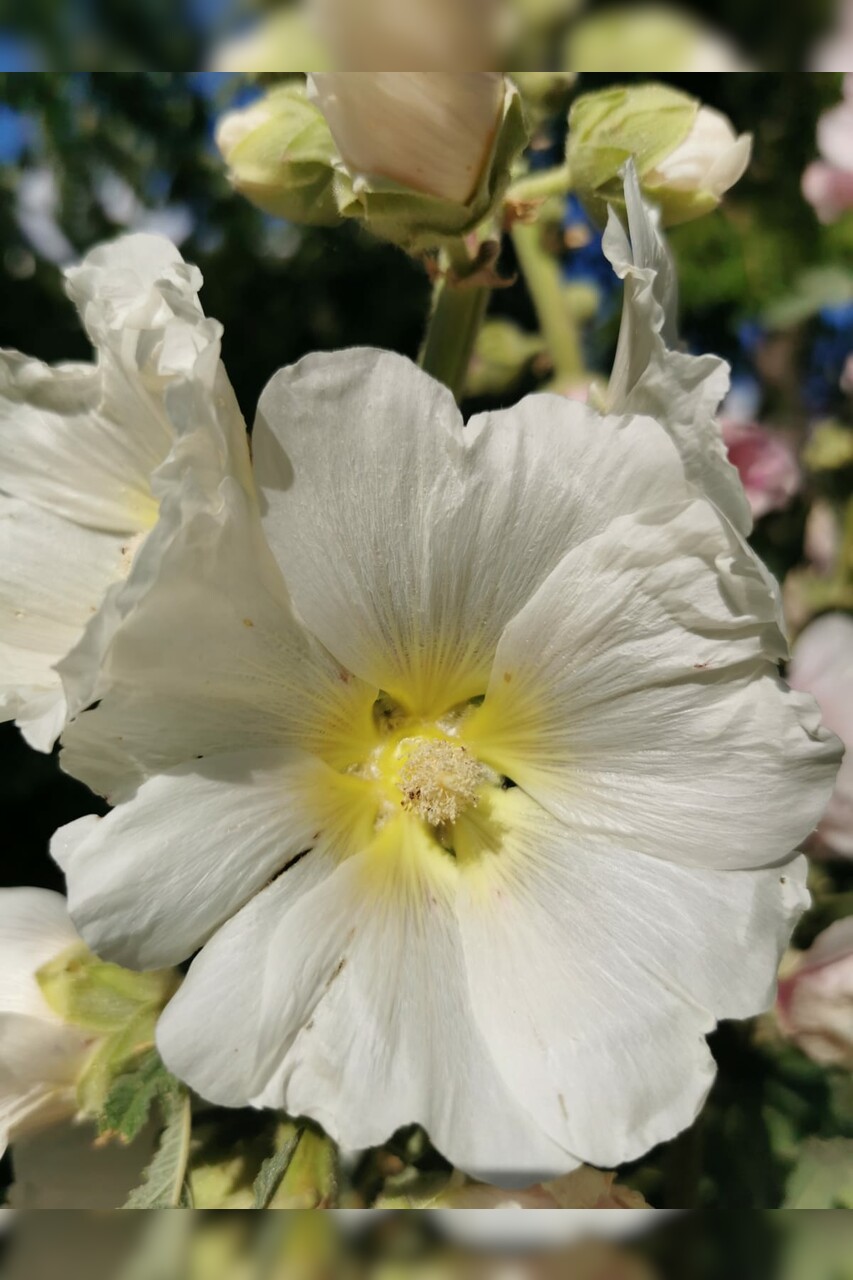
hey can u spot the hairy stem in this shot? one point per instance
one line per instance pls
(457, 312)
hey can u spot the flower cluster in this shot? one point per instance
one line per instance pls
(456, 754)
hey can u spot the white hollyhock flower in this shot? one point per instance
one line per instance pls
(40, 1055)
(80, 445)
(311, 723)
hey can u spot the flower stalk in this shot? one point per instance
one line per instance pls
(458, 310)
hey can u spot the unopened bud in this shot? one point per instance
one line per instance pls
(686, 155)
(431, 131)
(280, 155)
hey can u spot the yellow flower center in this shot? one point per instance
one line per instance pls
(438, 779)
(422, 769)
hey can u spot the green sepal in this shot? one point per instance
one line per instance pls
(110, 1057)
(610, 126)
(100, 997)
(419, 222)
(286, 166)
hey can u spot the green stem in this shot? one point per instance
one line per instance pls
(541, 185)
(457, 312)
(542, 274)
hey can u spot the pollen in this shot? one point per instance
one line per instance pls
(439, 779)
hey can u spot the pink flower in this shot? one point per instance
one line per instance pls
(766, 463)
(828, 190)
(828, 183)
(814, 1007)
(822, 665)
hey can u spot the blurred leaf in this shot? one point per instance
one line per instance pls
(829, 286)
(823, 1176)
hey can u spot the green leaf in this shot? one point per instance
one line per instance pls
(823, 1176)
(164, 1181)
(273, 1170)
(132, 1095)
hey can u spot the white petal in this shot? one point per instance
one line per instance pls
(650, 376)
(149, 883)
(407, 543)
(211, 660)
(34, 928)
(28, 1109)
(80, 440)
(53, 578)
(67, 447)
(39, 1062)
(35, 1050)
(596, 972)
(634, 697)
(210, 446)
(343, 996)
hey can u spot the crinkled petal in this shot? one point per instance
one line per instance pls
(210, 446)
(407, 542)
(212, 661)
(650, 376)
(149, 883)
(343, 996)
(64, 449)
(596, 972)
(82, 440)
(634, 697)
(53, 578)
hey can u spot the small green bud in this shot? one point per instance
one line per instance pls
(686, 155)
(501, 356)
(829, 449)
(281, 156)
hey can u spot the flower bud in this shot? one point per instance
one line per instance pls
(430, 131)
(280, 155)
(686, 155)
(424, 156)
(814, 1007)
(648, 38)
